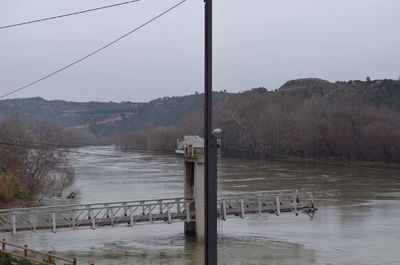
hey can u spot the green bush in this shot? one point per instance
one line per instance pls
(21, 192)
(6, 259)
(10, 190)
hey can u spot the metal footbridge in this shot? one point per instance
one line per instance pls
(130, 213)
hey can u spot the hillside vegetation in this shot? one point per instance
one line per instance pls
(308, 118)
(104, 119)
(315, 119)
(353, 120)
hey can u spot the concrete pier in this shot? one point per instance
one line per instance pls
(192, 147)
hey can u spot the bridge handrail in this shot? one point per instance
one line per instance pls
(149, 202)
(268, 194)
(72, 209)
(155, 210)
(29, 209)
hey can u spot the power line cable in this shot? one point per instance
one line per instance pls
(65, 145)
(59, 144)
(67, 15)
(92, 53)
(55, 146)
(41, 147)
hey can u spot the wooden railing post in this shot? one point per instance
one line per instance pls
(31, 260)
(25, 251)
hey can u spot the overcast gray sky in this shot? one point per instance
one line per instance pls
(256, 43)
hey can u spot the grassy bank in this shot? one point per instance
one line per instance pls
(6, 259)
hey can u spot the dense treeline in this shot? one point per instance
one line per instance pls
(278, 124)
(301, 119)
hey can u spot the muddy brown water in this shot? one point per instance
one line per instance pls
(358, 221)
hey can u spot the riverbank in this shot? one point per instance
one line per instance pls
(291, 159)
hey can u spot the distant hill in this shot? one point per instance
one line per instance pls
(378, 92)
(110, 118)
(105, 118)
(67, 114)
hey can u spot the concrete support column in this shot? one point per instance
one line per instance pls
(193, 150)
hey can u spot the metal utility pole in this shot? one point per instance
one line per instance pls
(210, 142)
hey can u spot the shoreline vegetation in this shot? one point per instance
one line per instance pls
(31, 164)
(304, 121)
(315, 119)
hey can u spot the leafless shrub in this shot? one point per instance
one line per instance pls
(36, 161)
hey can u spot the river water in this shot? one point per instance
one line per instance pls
(358, 221)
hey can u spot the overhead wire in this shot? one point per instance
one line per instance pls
(59, 144)
(94, 52)
(42, 147)
(17, 142)
(66, 15)
(65, 144)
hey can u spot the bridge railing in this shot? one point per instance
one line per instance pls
(265, 202)
(51, 207)
(95, 215)
(149, 211)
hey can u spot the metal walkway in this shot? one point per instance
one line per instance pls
(130, 213)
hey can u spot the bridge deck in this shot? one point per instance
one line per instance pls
(130, 213)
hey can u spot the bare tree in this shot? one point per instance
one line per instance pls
(36, 162)
(264, 124)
